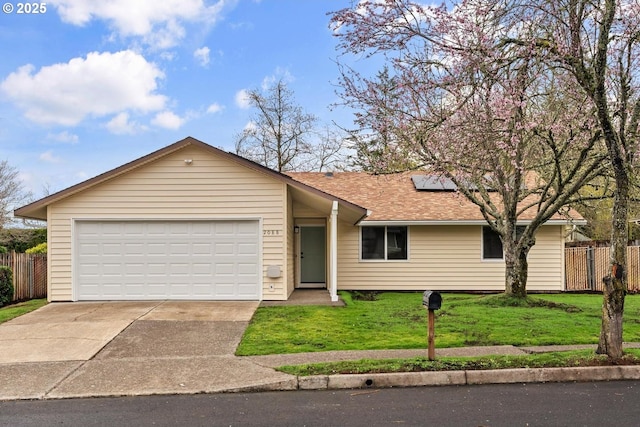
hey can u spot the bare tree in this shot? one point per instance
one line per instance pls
(12, 193)
(376, 148)
(328, 151)
(278, 135)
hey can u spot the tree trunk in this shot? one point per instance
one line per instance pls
(615, 283)
(612, 312)
(516, 273)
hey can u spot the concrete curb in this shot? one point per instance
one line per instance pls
(441, 378)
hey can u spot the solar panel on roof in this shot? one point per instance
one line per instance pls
(432, 183)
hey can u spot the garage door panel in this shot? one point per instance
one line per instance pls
(167, 260)
(247, 228)
(224, 229)
(202, 249)
(224, 248)
(129, 248)
(89, 248)
(109, 248)
(247, 249)
(203, 230)
(202, 268)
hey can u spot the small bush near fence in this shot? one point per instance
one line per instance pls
(6, 286)
(39, 249)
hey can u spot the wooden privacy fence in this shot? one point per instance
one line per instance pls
(586, 266)
(29, 275)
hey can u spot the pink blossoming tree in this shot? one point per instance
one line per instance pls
(487, 92)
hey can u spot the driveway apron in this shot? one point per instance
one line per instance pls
(144, 348)
(67, 331)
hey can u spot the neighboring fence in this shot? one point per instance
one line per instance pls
(586, 266)
(29, 275)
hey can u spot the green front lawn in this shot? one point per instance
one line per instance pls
(397, 320)
(15, 310)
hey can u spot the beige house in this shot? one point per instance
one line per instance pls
(193, 222)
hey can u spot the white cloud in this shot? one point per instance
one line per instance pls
(81, 176)
(202, 56)
(214, 108)
(168, 120)
(168, 55)
(279, 74)
(242, 99)
(64, 137)
(98, 85)
(157, 23)
(48, 157)
(250, 126)
(121, 125)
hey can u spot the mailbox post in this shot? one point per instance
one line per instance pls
(432, 301)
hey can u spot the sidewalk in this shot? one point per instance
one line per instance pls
(134, 376)
(441, 378)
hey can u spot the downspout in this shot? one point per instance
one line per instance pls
(333, 253)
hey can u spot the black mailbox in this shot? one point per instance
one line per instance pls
(432, 300)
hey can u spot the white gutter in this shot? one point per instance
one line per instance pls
(464, 222)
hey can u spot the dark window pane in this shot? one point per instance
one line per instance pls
(396, 242)
(491, 244)
(372, 242)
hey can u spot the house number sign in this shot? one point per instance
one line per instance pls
(271, 233)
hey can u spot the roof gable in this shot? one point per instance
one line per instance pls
(38, 209)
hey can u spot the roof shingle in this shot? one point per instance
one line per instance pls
(393, 197)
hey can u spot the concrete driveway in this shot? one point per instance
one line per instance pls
(127, 348)
(78, 331)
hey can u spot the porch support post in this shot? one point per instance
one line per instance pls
(333, 252)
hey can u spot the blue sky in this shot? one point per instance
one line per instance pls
(89, 85)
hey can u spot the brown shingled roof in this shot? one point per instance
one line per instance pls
(393, 197)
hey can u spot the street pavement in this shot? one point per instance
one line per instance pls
(97, 349)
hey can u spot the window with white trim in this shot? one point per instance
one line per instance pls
(384, 242)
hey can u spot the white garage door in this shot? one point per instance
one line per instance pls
(188, 260)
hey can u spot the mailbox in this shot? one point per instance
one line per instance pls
(432, 300)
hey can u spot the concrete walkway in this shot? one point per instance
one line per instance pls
(142, 348)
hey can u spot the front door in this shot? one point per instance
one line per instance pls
(313, 252)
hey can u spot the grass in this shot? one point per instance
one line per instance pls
(542, 360)
(398, 321)
(14, 310)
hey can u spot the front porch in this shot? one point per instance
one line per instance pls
(307, 297)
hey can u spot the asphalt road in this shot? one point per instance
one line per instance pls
(563, 404)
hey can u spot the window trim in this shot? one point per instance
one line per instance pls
(385, 259)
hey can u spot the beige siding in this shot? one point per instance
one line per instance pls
(303, 211)
(546, 260)
(446, 258)
(211, 187)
